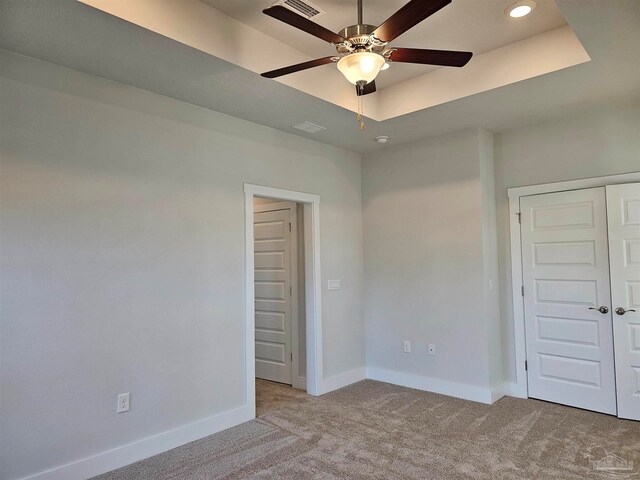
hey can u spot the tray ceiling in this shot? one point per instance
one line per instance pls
(540, 43)
(467, 25)
(184, 53)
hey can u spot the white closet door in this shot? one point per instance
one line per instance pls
(272, 250)
(566, 281)
(623, 209)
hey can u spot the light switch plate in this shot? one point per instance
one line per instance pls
(333, 284)
(406, 346)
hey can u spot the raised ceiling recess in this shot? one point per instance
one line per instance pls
(505, 50)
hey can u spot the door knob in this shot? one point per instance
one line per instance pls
(622, 311)
(603, 309)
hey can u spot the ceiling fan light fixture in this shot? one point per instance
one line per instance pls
(361, 66)
(386, 66)
(520, 9)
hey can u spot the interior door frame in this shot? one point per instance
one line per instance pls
(521, 389)
(313, 286)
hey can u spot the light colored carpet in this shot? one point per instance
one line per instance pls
(381, 431)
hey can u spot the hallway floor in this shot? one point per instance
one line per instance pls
(271, 396)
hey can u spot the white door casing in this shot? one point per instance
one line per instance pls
(273, 293)
(313, 288)
(623, 212)
(569, 342)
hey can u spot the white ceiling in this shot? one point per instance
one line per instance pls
(478, 26)
(77, 36)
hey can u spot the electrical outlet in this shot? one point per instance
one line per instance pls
(406, 346)
(432, 349)
(123, 402)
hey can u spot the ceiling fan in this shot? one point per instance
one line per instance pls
(363, 49)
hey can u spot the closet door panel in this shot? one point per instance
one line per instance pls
(566, 281)
(623, 213)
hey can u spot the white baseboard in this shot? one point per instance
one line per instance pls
(499, 391)
(515, 390)
(435, 385)
(342, 380)
(146, 447)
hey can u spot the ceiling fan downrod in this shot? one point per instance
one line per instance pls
(359, 12)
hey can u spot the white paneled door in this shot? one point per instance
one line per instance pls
(569, 337)
(273, 300)
(623, 209)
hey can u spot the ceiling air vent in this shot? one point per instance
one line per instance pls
(308, 127)
(306, 9)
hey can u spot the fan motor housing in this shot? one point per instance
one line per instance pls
(359, 38)
(354, 31)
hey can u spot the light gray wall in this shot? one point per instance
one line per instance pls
(427, 257)
(122, 232)
(122, 252)
(590, 144)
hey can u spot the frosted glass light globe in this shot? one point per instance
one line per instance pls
(361, 66)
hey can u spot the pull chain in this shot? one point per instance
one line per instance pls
(360, 116)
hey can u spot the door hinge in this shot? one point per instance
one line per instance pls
(519, 217)
(522, 290)
(290, 291)
(526, 366)
(289, 226)
(292, 356)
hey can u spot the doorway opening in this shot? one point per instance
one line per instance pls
(283, 323)
(278, 236)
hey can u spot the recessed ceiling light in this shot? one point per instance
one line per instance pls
(520, 9)
(382, 139)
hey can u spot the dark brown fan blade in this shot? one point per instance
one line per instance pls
(298, 67)
(447, 58)
(290, 18)
(367, 89)
(407, 17)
